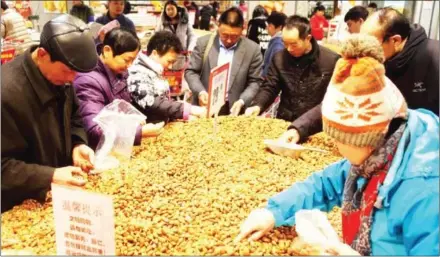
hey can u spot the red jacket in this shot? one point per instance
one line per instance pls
(318, 23)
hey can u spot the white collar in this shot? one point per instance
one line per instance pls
(150, 63)
(230, 48)
(278, 34)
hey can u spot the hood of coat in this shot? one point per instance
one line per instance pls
(149, 63)
(181, 12)
(262, 17)
(416, 154)
(259, 22)
(416, 37)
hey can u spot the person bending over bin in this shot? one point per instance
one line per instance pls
(226, 46)
(42, 132)
(388, 183)
(150, 90)
(108, 82)
(301, 73)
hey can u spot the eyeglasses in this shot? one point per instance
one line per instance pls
(231, 37)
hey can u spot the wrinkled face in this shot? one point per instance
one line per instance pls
(271, 30)
(355, 155)
(119, 63)
(115, 7)
(391, 45)
(171, 11)
(167, 60)
(56, 72)
(354, 26)
(229, 35)
(296, 46)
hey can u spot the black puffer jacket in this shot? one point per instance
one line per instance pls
(302, 81)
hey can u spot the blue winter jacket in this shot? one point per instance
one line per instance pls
(406, 217)
(276, 44)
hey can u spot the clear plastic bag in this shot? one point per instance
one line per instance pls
(273, 109)
(118, 121)
(313, 228)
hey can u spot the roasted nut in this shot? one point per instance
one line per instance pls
(187, 192)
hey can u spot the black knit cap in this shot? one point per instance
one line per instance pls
(69, 40)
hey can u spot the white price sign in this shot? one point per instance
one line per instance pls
(218, 84)
(84, 222)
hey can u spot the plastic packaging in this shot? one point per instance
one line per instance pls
(118, 121)
(314, 229)
(273, 109)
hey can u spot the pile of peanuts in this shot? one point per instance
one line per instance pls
(187, 192)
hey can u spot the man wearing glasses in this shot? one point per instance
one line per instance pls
(411, 63)
(227, 46)
(301, 73)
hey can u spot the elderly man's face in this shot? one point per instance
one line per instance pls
(295, 45)
(56, 72)
(391, 44)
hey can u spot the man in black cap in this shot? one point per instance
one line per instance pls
(42, 135)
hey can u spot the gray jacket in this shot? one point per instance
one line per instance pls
(246, 68)
(184, 30)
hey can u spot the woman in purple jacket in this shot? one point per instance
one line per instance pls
(108, 81)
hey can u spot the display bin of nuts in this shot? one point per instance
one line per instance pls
(187, 192)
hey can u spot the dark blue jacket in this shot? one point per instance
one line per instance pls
(275, 44)
(122, 19)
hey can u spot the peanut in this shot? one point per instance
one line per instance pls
(186, 192)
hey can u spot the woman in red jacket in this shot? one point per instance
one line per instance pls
(318, 22)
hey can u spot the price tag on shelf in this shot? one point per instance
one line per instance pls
(218, 81)
(84, 222)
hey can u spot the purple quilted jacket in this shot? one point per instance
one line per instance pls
(95, 90)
